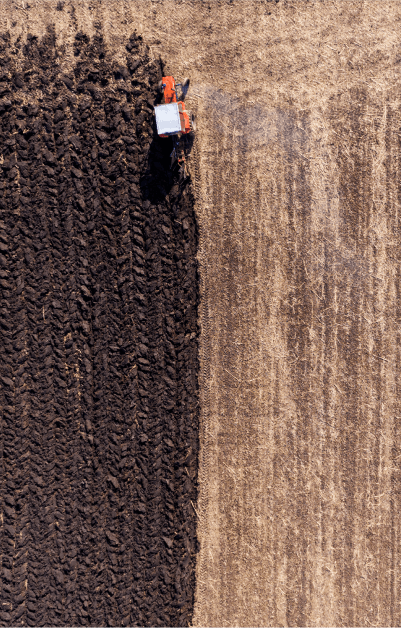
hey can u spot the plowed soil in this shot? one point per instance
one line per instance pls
(98, 344)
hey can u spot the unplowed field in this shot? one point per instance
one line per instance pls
(98, 339)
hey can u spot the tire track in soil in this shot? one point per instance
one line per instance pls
(99, 344)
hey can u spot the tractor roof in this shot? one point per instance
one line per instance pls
(168, 119)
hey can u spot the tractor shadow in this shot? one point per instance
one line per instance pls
(188, 142)
(157, 179)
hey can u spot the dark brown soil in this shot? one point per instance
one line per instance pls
(98, 344)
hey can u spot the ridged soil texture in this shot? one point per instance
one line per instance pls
(98, 344)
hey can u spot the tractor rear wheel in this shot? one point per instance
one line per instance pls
(184, 87)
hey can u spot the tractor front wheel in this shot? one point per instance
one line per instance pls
(192, 122)
(184, 87)
(160, 86)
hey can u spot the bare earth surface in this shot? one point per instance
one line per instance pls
(297, 170)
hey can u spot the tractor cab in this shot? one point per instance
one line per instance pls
(172, 119)
(171, 116)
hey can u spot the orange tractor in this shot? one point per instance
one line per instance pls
(172, 119)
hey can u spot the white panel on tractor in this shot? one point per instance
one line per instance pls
(168, 119)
